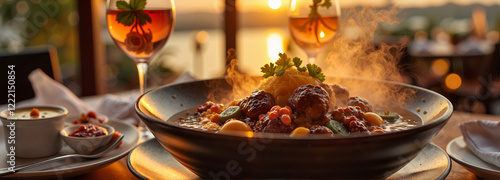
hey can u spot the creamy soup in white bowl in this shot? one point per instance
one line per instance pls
(33, 131)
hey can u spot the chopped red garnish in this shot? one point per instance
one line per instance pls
(86, 118)
(34, 112)
(92, 114)
(89, 130)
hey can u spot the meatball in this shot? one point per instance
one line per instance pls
(317, 129)
(356, 125)
(341, 94)
(360, 102)
(310, 101)
(265, 124)
(259, 102)
(341, 114)
(328, 89)
(352, 117)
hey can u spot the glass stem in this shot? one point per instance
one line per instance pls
(142, 69)
(312, 59)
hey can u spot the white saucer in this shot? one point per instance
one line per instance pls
(74, 167)
(150, 160)
(458, 151)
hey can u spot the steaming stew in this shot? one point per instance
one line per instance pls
(292, 101)
(403, 120)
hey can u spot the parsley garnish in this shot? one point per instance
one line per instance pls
(132, 13)
(297, 62)
(315, 71)
(268, 70)
(284, 62)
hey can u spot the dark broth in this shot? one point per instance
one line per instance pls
(406, 120)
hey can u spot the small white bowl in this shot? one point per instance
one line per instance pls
(85, 145)
(27, 137)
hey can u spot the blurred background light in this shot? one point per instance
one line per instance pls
(274, 4)
(274, 45)
(453, 81)
(440, 67)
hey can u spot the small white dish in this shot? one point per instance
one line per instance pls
(85, 145)
(33, 137)
(76, 167)
(458, 151)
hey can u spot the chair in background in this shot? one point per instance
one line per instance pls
(31, 58)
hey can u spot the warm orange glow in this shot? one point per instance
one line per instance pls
(249, 134)
(170, 173)
(440, 67)
(202, 37)
(274, 45)
(148, 107)
(274, 4)
(453, 81)
(292, 5)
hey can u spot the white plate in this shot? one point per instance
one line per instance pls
(150, 160)
(74, 167)
(458, 151)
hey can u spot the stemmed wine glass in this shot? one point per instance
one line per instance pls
(313, 24)
(140, 28)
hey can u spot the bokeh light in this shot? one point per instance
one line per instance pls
(322, 34)
(453, 81)
(274, 4)
(274, 45)
(440, 67)
(202, 37)
(22, 7)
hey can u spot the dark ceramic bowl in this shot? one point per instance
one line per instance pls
(266, 155)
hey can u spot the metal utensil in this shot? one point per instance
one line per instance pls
(96, 154)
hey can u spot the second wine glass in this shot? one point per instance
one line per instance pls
(140, 28)
(313, 24)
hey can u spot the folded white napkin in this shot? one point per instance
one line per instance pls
(50, 92)
(483, 139)
(116, 107)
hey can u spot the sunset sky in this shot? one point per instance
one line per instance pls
(262, 5)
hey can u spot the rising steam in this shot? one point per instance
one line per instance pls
(354, 54)
(242, 85)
